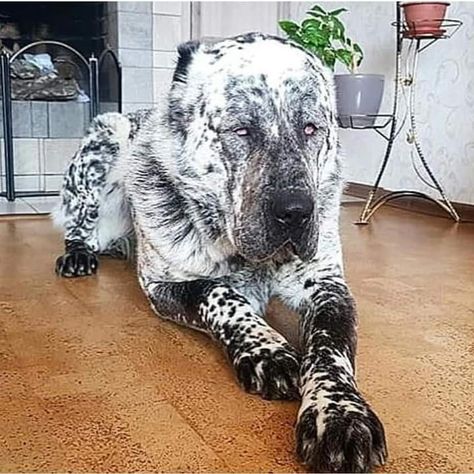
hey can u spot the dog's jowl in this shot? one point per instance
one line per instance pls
(230, 195)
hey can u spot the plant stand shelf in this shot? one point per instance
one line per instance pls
(417, 43)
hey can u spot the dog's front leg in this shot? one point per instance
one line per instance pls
(264, 362)
(336, 431)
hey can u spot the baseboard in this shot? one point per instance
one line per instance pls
(465, 211)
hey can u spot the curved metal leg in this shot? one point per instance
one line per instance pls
(400, 194)
(366, 211)
(415, 141)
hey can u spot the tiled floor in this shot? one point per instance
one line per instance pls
(44, 205)
(36, 205)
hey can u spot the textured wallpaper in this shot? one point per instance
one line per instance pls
(445, 101)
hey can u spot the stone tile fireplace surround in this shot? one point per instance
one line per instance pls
(47, 133)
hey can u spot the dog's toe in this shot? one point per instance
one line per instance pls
(76, 264)
(344, 442)
(273, 374)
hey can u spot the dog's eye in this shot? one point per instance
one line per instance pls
(309, 129)
(242, 132)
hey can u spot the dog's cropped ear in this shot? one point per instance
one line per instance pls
(180, 106)
(186, 52)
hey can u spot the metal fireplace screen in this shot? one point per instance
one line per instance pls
(52, 88)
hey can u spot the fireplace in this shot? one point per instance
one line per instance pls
(81, 25)
(58, 70)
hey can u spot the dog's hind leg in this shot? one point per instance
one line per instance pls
(92, 210)
(265, 363)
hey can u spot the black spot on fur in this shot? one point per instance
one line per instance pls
(247, 38)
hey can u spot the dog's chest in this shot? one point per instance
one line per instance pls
(181, 254)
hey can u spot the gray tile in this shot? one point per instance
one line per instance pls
(132, 106)
(168, 8)
(27, 183)
(165, 59)
(53, 182)
(161, 84)
(137, 84)
(1, 119)
(42, 205)
(135, 30)
(136, 58)
(67, 120)
(108, 107)
(2, 163)
(87, 118)
(136, 7)
(58, 153)
(21, 117)
(26, 156)
(39, 119)
(16, 207)
(166, 32)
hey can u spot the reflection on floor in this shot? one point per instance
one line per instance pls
(44, 205)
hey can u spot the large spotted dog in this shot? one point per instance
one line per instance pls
(233, 193)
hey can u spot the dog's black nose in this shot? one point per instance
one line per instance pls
(292, 208)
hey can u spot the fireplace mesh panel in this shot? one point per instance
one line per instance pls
(55, 88)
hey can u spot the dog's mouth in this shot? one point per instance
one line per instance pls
(284, 253)
(264, 245)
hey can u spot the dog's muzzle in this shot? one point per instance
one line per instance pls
(293, 216)
(292, 210)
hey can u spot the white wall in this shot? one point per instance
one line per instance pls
(446, 82)
(221, 19)
(445, 101)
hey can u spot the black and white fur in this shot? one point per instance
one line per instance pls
(232, 194)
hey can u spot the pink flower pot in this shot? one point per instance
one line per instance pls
(424, 18)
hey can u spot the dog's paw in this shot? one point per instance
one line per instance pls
(76, 263)
(271, 373)
(345, 440)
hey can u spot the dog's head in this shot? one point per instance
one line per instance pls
(255, 116)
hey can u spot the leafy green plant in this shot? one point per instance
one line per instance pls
(324, 35)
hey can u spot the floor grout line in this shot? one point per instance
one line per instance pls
(29, 205)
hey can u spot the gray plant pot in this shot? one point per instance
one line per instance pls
(358, 95)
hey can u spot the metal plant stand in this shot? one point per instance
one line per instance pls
(92, 66)
(406, 79)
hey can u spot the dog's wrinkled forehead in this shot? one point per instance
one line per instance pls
(226, 73)
(275, 59)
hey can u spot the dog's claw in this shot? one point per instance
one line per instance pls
(76, 263)
(273, 374)
(347, 441)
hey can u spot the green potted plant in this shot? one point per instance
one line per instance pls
(358, 95)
